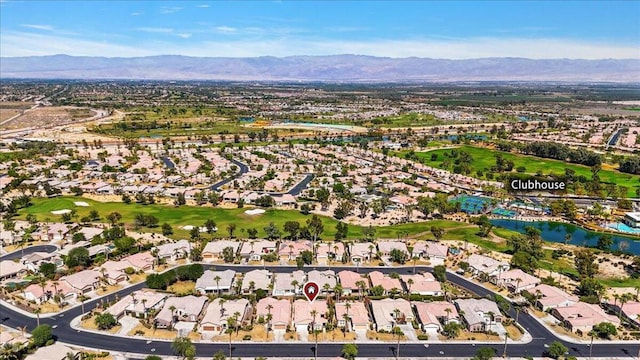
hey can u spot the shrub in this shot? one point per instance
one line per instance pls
(423, 337)
(105, 321)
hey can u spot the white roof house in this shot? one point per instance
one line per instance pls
(385, 315)
(260, 279)
(207, 283)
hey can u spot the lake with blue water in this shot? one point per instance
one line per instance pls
(556, 232)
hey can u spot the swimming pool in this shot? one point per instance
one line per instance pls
(622, 227)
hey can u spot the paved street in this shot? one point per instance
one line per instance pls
(541, 335)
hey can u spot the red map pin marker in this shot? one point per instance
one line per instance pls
(311, 290)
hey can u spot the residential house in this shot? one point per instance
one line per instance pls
(34, 260)
(219, 311)
(432, 250)
(550, 297)
(141, 261)
(389, 284)
(10, 269)
(325, 279)
(388, 313)
(357, 315)
(349, 280)
(289, 284)
(631, 311)
(56, 351)
(479, 314)
(303, 319)
(433, 315)
(213, 251)
(480, 264)
(290, 250)
(516, 280)
(84, 281)
(330, 251)
(278, 310)
(256, 279)
(219, 282)
(422, 284)
(285, 200)
(114, 271)
(39, 295)
(138, 304)
(361, 252)
(253, 250)
(174, 251)
(186, 308)
(385, 247)
(581, 317)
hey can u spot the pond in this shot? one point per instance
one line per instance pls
(556, 232)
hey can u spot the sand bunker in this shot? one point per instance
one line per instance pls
(201, 229)
(60, 212)
(81, 203)
(254, 212)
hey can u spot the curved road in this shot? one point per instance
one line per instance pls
(243, 170)
(29, 250)
(541, 335)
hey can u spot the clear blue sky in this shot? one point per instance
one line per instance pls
(467, 29)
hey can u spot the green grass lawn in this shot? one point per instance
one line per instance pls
(484, 159)
(194, 215)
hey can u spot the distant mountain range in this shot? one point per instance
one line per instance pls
(335, 68)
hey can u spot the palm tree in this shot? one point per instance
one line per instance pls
(361, 285)
(371, 247)
(37, 311)
(173, 310)
(518, 281)
(338, 290)
(269, 317)
(347, 306)
(414, 258)
(217, 280)
(144, 307)
(237, 315)
(82, 299)
(491, 317)
(222, 309)
(397, 331)
(231, 322)
(295, 284)
(409, 283)
(592, 334)
(448, 311)
(623, 300)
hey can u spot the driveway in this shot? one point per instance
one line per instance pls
(409, 332)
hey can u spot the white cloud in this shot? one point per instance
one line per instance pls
(29, 44)
(226, 29)
(136, 13)
(203, 6)
(24, 44)
(170, 9)
(38, 27)
(155, 30)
